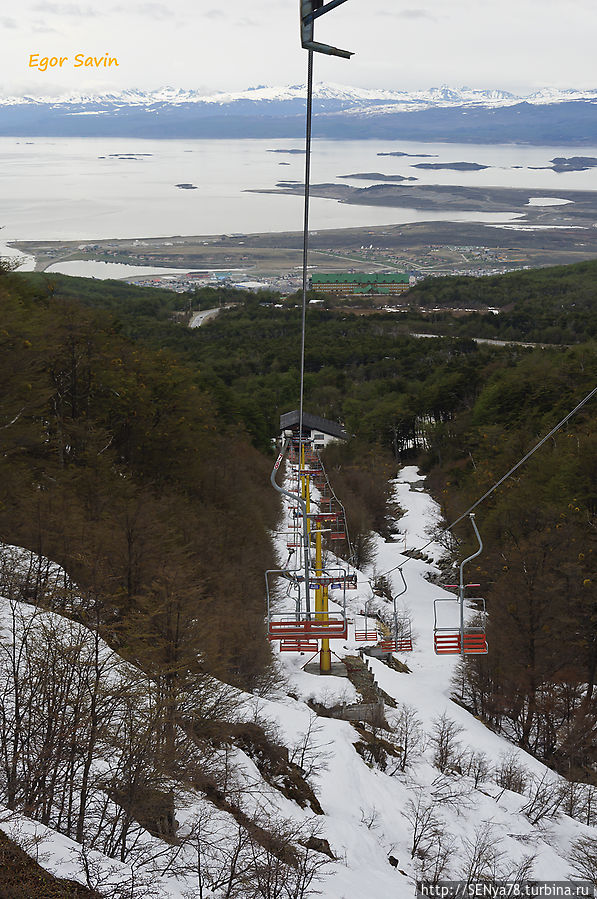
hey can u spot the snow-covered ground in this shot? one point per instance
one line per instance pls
(370, 813)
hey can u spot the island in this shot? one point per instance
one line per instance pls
(377, 176)
(187, 186)
(573, 163)
(413, 155)
(453, 166)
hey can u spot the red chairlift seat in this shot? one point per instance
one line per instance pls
(299, 645)
(322, 516)
(448, 643)
(403, 632)
(447, 639)
(335, 628)
(366, 636)
(404, 644)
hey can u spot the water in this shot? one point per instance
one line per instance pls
(79, 189)
(89, 269)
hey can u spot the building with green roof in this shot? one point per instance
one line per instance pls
(360, 283)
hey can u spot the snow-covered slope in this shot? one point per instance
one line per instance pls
(373, 811)
(334, 94)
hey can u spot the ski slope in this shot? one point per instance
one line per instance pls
(368, 812)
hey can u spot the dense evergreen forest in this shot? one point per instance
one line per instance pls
(545, 305)
(116, 464)
(126, 422)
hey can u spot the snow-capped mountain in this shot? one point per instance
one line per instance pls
(439, 113)
(322, 92)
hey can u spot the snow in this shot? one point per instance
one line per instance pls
(366, 809)
(548, 201)
(381, 99)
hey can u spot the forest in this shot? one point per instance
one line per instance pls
(117, 465)
(554, 305)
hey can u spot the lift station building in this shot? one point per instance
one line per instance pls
(319, 430)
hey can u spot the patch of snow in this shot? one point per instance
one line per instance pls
(548, 201)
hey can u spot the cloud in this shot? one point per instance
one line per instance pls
(214, 14)
(65, 9)
(153, 10)
(414, 14)
(43, 28)
(7, 22)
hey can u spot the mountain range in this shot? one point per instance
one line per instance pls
(443, 113)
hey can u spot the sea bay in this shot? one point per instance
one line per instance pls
(86, 188)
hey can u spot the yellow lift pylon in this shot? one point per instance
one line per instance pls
(321, 604)
(321, 592)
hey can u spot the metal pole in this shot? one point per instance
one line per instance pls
(306, 228)
(402, 592)
(461, 584)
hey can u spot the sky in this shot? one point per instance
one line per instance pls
(224, 45)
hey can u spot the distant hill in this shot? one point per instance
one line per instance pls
(464, 115)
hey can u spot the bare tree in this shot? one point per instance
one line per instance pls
(481, 855)
(434, 864)
(583, 858)
(510, 774)
(310, 753)
(447, 749)
(425, 822)
(545, 798)
(476, 765)
(409, 734)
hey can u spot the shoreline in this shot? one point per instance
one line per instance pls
(425, 247)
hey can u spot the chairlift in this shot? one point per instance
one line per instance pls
(301, 624)
(455, 637)
(299, 645)
(366, 634)
(284, 627)
(403, 640)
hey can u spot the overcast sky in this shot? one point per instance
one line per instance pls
(211, 45)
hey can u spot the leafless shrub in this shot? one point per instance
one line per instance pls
(409, 734)
(434, 864)
(425, 822)
(452, 792)
(370, 818)
(481, 855)
(583, 858)
(521, 872)
(476, 765)
(545, 798)
(510, 774)
(589, 811)
(118, 881)
(447, 749)
(284, 866)
(573, 799)
(310, 752)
